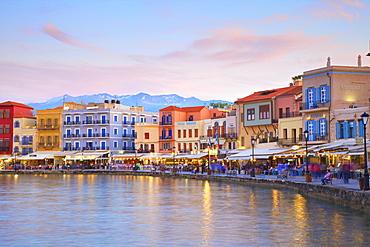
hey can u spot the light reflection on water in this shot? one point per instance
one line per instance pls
(115, 210)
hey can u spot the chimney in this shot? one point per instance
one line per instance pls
(359, 62)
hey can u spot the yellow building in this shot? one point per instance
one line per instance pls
(49, 129)
(147, 138)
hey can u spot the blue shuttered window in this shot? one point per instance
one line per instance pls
(361, 128)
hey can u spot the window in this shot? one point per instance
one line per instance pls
(16, 138)
(115, 131)
(56, 140)
(196, 133)
(310, 98)
(7, 113)
(184, 133)
(115, 144)
(17, 124)
(341, 127)
(250, 114)
(287, 111)
(264, 111)
(324, 94)
(115, 118)
(49, 122)
(351, 129)
(1, 113)
(178, 133)
(7, 129)
(56, 122)
(280, 112)
(190, 133)
(141, 120)
(152, 147)
(361, 128)
(1, 129)
(322, 127)
(133, 119)
(191, 117)
(146, 136)
(49, 141)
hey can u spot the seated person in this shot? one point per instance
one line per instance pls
(326, 178)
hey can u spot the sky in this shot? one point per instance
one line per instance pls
(209, 49)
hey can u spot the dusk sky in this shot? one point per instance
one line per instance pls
(210, 49)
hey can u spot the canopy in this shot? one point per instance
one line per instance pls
(40, 155)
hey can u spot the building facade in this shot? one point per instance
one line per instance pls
(49, 129)
(334, 97)
(102, 126)
(17, 128)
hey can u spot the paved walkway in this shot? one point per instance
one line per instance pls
(339, 183)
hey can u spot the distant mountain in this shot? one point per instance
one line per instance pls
(151, 103)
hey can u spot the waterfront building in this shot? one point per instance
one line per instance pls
(147, 137)
(17, 129)
(258, 116)
(334, 98)
(180, 128)
(102, 126)
(49, 129)
(288, 106)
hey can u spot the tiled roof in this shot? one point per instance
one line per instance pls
(293, 91)
(267, 94)
(171, 108)
(194, 108)
(23, 115)
(11, 103)
(186, 109)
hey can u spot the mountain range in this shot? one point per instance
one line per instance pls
(151, 103)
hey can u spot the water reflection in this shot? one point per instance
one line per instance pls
(114, 210)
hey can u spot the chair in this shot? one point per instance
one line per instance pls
(283, 174)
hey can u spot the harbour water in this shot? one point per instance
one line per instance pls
(119, 210)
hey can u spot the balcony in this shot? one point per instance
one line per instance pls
(4, 148)
(48, 127)
(323, 137)
(289, 141)
(314, 105)
(267, 140)
(72, 122)
(290, 114)
(165, 138)
(129, 135)
(126, 123)
(101, 121)
(165, 123)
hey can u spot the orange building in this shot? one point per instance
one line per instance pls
(170, 115)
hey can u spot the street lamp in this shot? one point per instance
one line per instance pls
(174, 152)
(308, 175)
(365, 118)
(253, 174)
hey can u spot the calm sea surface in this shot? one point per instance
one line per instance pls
(115, 210)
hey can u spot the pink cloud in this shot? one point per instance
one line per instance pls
(57, 34)
(343, 9)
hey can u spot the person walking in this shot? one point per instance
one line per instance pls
(346, 170)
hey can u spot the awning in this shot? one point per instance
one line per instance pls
(40, 155)
(86, 155)
(152, 156)
(127, 155)
(194, 156)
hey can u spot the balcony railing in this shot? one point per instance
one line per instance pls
(314, 105)
(129, 135)
(165, 137)
(290, 114)
(84, 148)
(165, 123)
(48, 127)
(316, 137)
(270, 139)
(126, 123)
(289, 141)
